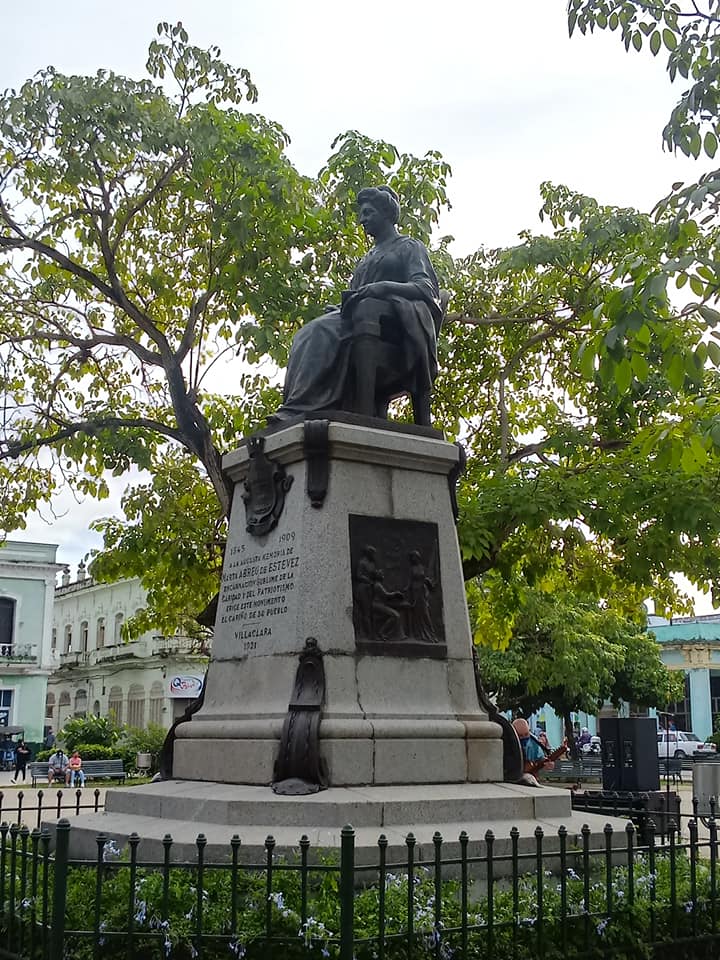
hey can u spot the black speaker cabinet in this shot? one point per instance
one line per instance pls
(629, 753)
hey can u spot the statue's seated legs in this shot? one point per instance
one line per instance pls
(375, 359)
(366, 356)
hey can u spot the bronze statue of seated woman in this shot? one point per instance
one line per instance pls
(382, 342)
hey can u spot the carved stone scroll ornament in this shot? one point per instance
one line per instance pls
(299, 768)
(264, 490)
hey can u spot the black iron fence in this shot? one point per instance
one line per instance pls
(18, 807)
(545, 896)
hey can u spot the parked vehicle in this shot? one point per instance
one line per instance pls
(680, 744)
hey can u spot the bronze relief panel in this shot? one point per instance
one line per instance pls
(397, 588)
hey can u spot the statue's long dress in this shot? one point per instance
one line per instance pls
(317, 372)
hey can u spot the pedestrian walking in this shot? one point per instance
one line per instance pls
(22, 758)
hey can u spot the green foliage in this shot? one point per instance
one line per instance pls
(96, 751)
(589, 418)
(575, 655)
(689, 37)
(102, 731)
(134, 740)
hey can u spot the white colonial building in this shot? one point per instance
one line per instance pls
(27, 584)
(149, 680)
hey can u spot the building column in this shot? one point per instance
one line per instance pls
(700, 706)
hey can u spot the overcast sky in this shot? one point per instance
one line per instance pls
(498, 88)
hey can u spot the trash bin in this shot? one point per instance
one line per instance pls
(706, 784)
(143, 761)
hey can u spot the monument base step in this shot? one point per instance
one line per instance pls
(184, 809)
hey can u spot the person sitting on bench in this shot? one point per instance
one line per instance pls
(57, 767)
(75, 771)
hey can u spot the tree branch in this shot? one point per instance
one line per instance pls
(135, 208)
(14, 449)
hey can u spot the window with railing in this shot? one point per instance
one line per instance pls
(81, 700)
(157, 701)
(7, 624)
(6, 698)
(115, 704)
(64, 708)
(136, 706)
(84, 630)
(67, 642)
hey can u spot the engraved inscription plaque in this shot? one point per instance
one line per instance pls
(258, 591)
(397, 589)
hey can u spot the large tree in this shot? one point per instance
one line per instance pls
(145, 235)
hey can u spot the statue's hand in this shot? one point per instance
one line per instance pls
(378, 290)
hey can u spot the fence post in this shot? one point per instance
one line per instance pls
(347, 892)
(62, 848)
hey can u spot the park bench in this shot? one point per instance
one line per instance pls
(589, 768)
(93, 769)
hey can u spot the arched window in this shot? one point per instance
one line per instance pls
(96, 708)
(100, 633)
(53, 641)
(84, 630)
(64, 708)
(7, 625)
(117, 634)
(157, 702)
(115, 704)
(81, 703)
(50, 708)
(67, 643)
(136, 706)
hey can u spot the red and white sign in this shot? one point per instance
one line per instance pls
(186, 687)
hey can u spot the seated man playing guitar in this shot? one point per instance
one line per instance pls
(535, 755)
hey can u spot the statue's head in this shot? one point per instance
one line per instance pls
(383, 200)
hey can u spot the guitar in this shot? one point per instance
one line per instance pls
(532, 766)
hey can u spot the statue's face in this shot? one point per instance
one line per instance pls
(371, 220)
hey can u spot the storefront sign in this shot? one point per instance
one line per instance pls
(185, 686)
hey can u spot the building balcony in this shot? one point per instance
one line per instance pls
(146, 647)
(171, 646)
(18, 653)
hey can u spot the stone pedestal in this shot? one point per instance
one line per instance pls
(395, 711)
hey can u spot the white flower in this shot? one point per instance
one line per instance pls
(110, 850)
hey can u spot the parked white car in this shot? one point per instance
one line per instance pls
(678, 743)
